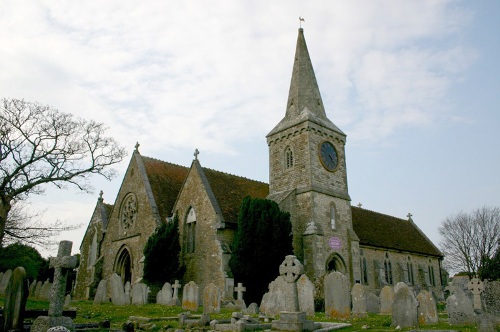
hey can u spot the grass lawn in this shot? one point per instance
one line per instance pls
(117, 315)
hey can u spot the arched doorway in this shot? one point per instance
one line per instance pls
(335, 263)
(123, 265)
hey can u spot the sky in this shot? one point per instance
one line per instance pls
(414, 84)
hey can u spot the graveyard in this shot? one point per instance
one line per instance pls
(289, 305)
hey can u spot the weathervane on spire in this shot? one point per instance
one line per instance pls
(301, 19)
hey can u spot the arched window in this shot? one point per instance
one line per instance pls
(388, 269)
(190, 232)
(409, 267)
(364, 270)
(288, 158)
(333, 223)
(431, 274)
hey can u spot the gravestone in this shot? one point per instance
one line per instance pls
(32, 288)
(305, 292)
(358, 296)
(283, 292)
(386, 300)
(491, 296)
(476, 287)
(164, 296)
(239, 296)
(211, 299)
(190, 296)
(101, 293)
(139, 294)
(118, 296)
(398, 286)
(4, 281)
(175, 296)
(16, 294)
(126, 289)
(337, 297)
(404, 308)
(229, 289)
(460, 308)
(67, 300)
(44, 293)
(252, 309)
(38, 289)
(427, 309)
(62, 264)
(372, 303)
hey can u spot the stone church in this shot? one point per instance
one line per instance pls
(307, 178)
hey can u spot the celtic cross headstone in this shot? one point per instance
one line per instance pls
(290, 270)
(476, 286)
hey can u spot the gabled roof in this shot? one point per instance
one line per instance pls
(383, 231)
(229, 190)
(166, 180)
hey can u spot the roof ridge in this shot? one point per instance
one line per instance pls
(163, 161)
(379, 213)
(237, 176)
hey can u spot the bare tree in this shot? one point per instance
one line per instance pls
(467, 238)
(40, 145)
(28, 227)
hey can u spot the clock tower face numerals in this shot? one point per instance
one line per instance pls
(328, 156)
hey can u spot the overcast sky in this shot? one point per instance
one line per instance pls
(415, 85)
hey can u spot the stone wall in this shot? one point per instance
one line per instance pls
(207, 263)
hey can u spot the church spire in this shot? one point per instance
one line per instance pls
(304, 90)
(304, 99)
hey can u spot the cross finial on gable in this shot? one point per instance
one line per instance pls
(196, 153)
(100, 195)
(137, 146)
(409, 216)
(360, 205)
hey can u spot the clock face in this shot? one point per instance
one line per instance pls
(328, 156)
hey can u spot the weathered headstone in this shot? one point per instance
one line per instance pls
(100, 295)
(211, 299)
(127, 289)
(398, 286)
(38, 289)
(282, 295)
(32, 288)
(427, 308)
(229, 289)
(491, 296)
(44, 293)
(175, 296)
(252, 309)
(16, 294)
(358, 296)
(476, 287)
(118, 296)
(372, 303)
(386, 300)
(460, 308)
(67, 300)
(164, 296)
(139, 294)
(337, 297)
(4, 281)
(404, 308)
(190, 296)
(239, 295)
(305, 291)
(62, 264)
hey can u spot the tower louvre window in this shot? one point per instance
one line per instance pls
(333, 224)
(288, 158)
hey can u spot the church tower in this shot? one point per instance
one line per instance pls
(307, 170)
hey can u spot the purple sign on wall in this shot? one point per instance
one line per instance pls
(335, 243)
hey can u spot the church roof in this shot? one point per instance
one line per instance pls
(166, 180)
(379, 230)
(229, 190)
(304, 99)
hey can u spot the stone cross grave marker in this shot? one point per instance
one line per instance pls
(239, 291)
(62, 265)
(16, 294)
(290, 270)
(476, 287)
(175, 296)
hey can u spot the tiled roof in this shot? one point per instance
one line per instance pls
(229, 190)
(380, 230)
(166, 180)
